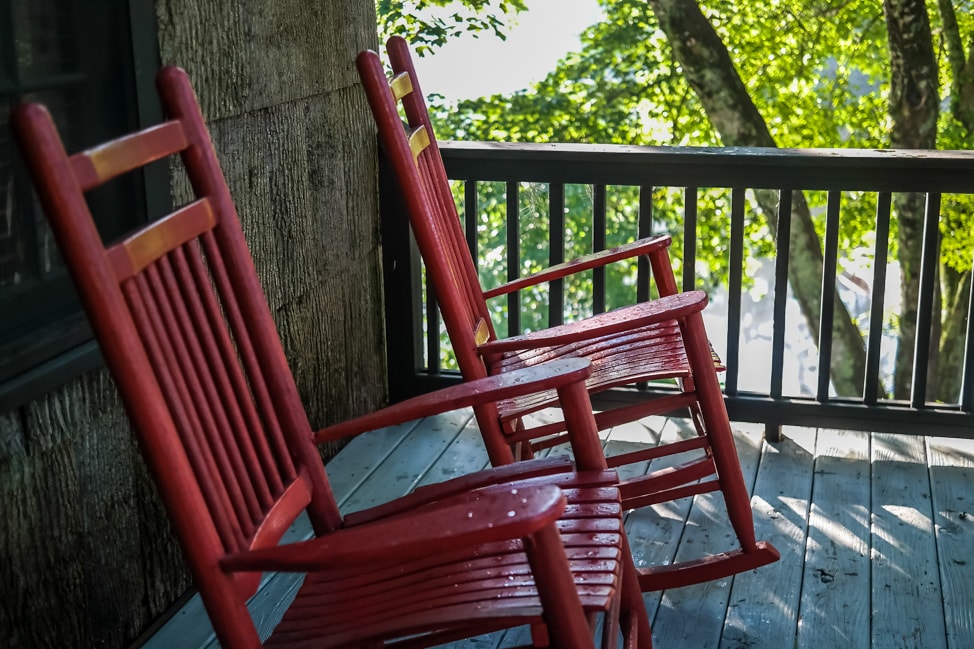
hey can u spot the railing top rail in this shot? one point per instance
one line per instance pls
(752, 167)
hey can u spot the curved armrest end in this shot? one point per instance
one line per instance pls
(427, 494)
(493, 388)
(498, 513)
(647, 246)
(670, 307)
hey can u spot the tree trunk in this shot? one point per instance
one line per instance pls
(914, 107)
(955, 283)
(86, 555)
(956, 293)
(709, 70)
(961, 68)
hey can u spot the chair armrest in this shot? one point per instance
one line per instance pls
(620, 320)
(427, 494)
(497, 513)
(595, 260)
(495, 388)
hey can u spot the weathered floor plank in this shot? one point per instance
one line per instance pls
(875, 533)
(906, 596)
(763, 605)
(951, 473)
(400, 471)
(654, 532)
(835, 587)
(693, 616)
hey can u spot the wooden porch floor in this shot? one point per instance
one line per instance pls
(876, 534)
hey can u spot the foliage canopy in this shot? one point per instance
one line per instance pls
(818, 71)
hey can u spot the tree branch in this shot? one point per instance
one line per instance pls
(712, 75)
(961, 67)
(951, 31)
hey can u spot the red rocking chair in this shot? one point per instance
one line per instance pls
(179, 313)
(661, 339)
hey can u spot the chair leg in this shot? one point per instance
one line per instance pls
(716, 425)
(539, 636)
(611, 623)
(566, 626)
(637, 633)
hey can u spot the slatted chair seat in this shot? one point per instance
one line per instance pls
(660, 339)
(617, 360)
(467, 592)
(187, 334)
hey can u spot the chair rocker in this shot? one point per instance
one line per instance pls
(187, 334)
(660, 339)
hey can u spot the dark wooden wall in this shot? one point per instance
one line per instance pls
(86, 557)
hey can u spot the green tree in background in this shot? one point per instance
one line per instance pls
(430, 23)
(780, 73)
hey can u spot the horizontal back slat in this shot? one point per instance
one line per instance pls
(138, 250)
(100, 164)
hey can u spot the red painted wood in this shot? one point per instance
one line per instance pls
(491, 389)
(439, 527)
(138, 250)
(547, 469)
(99, 164)
(656, 247)
(187, 334)
(661, 339)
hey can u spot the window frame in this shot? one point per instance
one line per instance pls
(55, 344)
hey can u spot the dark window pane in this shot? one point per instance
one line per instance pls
(74, 56)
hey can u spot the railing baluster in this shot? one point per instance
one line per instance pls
(689, 238)
(644, 228)
(556, 252)
(827, 316)
(470, 221)
(967, 382)
(470, 217)
(734, 280)
(513, 257)
(928, 275)
(881, 172)
(870, 392)
(779, 309)
(432, 330)
(599, 228)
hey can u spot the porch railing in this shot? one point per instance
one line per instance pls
(760, 385)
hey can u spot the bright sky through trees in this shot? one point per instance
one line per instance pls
(471, 67)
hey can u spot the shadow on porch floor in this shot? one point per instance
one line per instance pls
(874, 531)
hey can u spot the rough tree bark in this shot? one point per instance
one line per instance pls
(710, 71)
(86, 555)
(955, 285)
(914, 108)
(961, 67)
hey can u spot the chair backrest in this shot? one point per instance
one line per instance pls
(184, 327)
(415, 158)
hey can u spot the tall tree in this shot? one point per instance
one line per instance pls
(956, 130)
(814, 73)
(431, 23)
(711, 73)
(914, 99)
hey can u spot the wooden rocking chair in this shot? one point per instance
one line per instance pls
(179, 313)
(660, 339)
